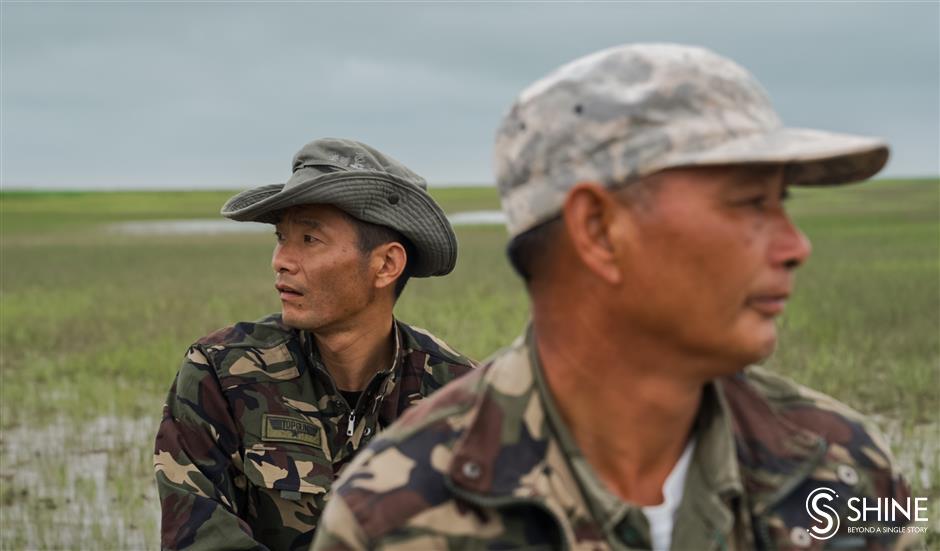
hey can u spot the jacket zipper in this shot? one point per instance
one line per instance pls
(351, 425)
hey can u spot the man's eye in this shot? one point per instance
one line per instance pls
(764, 200)
(759, 202)
(309, 239)
(278, 237)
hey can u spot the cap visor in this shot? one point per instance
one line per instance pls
(813, 157)
(249, 204)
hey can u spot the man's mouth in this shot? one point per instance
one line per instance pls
(771, 304)
(287, 292)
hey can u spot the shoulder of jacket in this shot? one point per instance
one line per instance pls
(854, 460)
(785, 416)
(263, 333)
(814, 410)
(451, 404)
(250, 352)
(458, 402)
(438, 351)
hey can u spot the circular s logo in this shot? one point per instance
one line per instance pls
(825, 517)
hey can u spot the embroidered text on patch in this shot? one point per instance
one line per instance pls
(281, 428)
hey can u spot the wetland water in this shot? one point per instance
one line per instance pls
(89, 484)
(73, 485)
(210, 226)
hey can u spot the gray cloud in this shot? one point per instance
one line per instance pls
(221, 95)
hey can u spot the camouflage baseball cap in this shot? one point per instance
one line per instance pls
(632, 110)
(368, 185)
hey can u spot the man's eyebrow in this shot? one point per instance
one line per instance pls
(309, 222)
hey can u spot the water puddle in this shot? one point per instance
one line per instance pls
(89, 484)
(210, 226)
(79, 487)
(478, 218)
(916, 450)
(187, 227)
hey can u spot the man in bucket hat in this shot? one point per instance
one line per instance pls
(262, 416)
(644, 191)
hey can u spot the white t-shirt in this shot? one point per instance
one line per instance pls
(661, 517)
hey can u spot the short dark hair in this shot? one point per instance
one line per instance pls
(532, 245)
(372, 235)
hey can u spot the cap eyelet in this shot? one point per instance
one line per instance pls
(393, 199)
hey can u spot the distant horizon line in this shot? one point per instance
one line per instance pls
(41, 189)
(20, 187)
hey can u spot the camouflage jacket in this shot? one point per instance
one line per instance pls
(254, 432)
(481, 466)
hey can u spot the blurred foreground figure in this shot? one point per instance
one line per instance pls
(644, 189)
(262, 416)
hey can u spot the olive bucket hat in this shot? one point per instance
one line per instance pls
(366, 184)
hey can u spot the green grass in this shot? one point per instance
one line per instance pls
(93, 325)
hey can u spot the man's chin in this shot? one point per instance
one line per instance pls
(754, 348)
(292, 320)
(764, 348)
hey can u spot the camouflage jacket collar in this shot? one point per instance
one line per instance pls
(509, 447)
(308, 343)
(382, 383)
(382, 387)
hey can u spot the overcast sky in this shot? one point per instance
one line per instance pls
(221, 95)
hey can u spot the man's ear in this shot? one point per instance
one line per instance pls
(593, 225)
(389, 261)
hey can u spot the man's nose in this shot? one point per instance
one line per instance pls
(284, 259)
(791, 246)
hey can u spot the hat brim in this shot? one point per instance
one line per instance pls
(811, 157)
(377, 198)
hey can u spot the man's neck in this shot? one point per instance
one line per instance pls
(352, 355)
(629, 417)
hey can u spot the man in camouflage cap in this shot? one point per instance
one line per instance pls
(643, 187)
(262, 416)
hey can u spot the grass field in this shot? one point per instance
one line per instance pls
(93, 324)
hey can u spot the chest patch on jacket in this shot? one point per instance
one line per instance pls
(281, 428)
